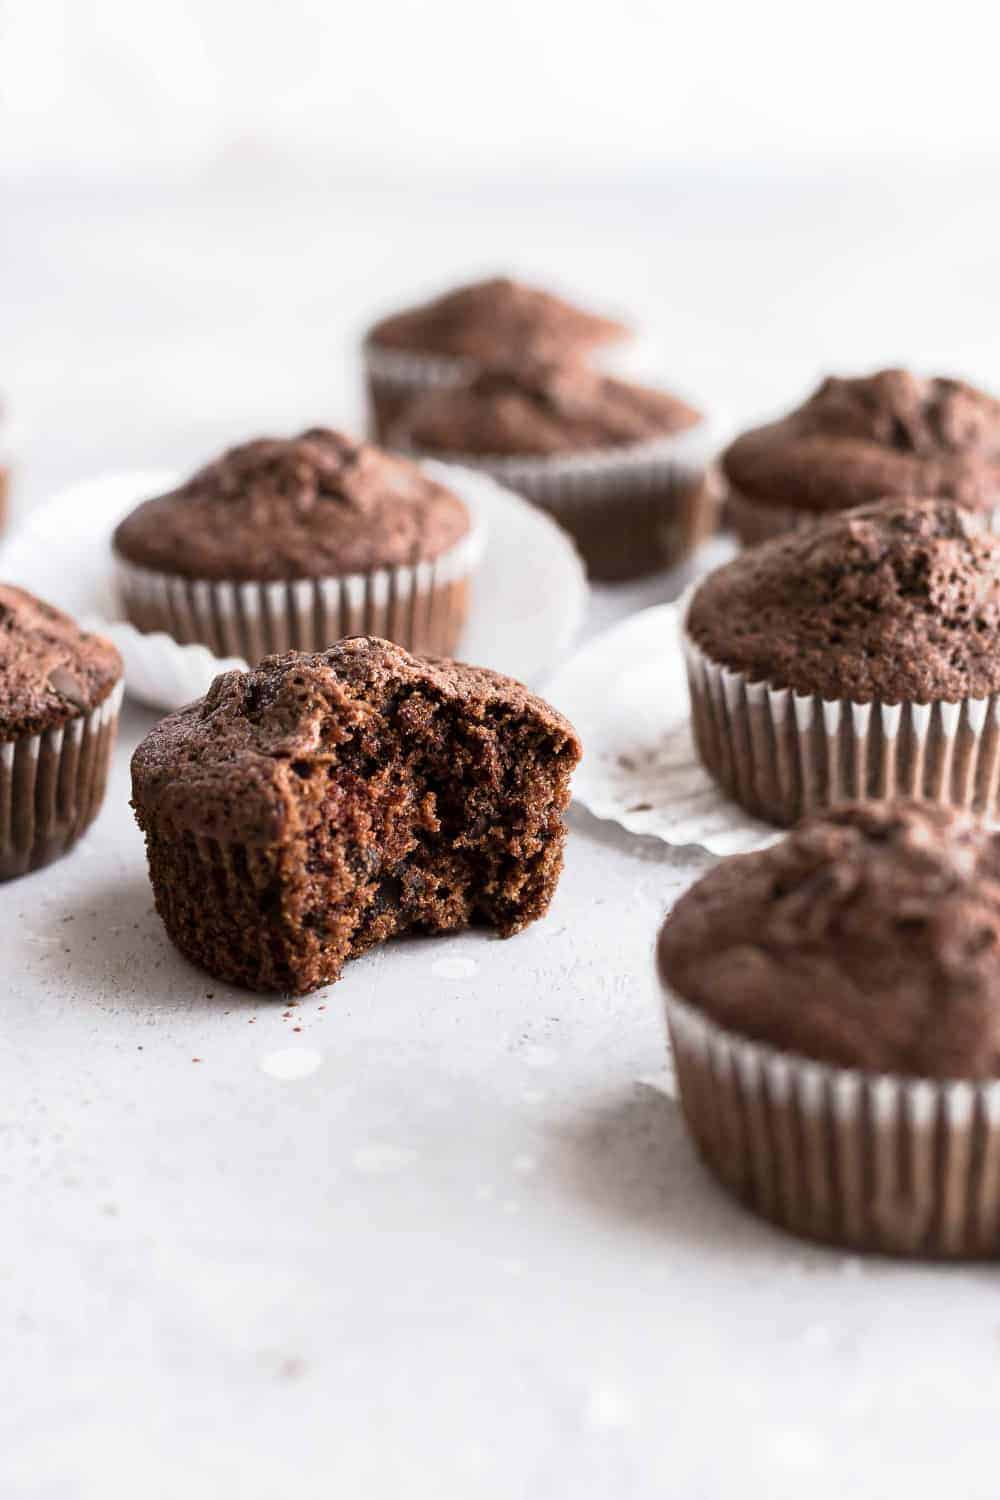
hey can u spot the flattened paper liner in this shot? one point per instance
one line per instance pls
(52, 786)
(626, 693)
(866, 1161)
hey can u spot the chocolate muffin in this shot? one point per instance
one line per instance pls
(60, 693)
(293, 543)
(445, 341)
(864, 439)
(616, 464)
(857, 658)
(834, 1008)
(305, 811)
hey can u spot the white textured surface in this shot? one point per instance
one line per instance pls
(217, 1282)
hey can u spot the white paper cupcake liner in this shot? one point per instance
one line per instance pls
(52, 785)
(782, 754)
(867, 1161)
(421, 606)
(754, 523)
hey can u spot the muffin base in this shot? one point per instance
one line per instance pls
(630, 511)
(52, 786)
(866, 1161)
(782, 754)
(422, 607)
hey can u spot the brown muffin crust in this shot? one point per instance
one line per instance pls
(494, 320)
(891, 433)
(868, 938)
(897, 602)
(318, 505)
(540, 407)
(51, 671)
(303, 812)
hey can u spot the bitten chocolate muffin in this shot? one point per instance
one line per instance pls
(860, 657)
(863, 439)
(605, 457)
(305, 811)
(60, 692)
(293, 543)
(836, 986)
(444, 341)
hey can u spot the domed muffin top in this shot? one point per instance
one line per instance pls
(230, 765)
(856, 440)
(496, 319)
(869, 937)
(318, 505)
(897, 602)
(51, 671)
(540, 407)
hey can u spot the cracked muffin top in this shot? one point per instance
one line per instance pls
(540, 407)
(869, 937)
(898, 602)
(285, 508)
(496, 319)
(51, 671)
(886, 434)
(230, 765)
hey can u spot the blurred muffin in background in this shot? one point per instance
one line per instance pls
(445, 341)
(862, 439)
(291, 543)
(620, 466)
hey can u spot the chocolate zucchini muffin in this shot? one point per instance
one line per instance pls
(305, 811)
(857, 658)
(864, 439)
(834, 1008)
(293, 543)
(443, 342)
(613, 462)
(60, 692)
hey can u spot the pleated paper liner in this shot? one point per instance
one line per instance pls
(631, 510)
(52, 785)
(754, 523)
(866, 1161)
(781, 754)
(421, 606)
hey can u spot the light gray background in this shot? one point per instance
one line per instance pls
(470, 1253)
